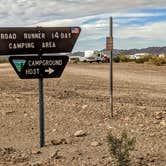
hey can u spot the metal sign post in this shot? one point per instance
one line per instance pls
(111, 68)
(41, 111)
(109, 47)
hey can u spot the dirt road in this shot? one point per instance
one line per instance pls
(78, 102)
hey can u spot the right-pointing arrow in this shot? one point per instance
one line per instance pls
(49, 70)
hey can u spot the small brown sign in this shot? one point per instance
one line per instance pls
(109, 43)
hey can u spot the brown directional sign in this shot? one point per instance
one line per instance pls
(109, 43)
(29, 40)
(28, 67)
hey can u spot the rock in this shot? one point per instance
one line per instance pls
(36, 164)
(55, 142)
(64, 141)
(152, 134)
(59, 142)
(158, 115)
(24, 155)
(163, 123)
(69, 140)
(143, 107)
(9, 112)
(2, 126)
(126, 119)
(25, 115)
(17, 100)
(100, 124)
(84, 106)
(95, 143)
(141, 125)
(9, 150)
(53, 130)
(109, 127)
(80, 133)
(155, 122)
(36, 151)
(55, 155)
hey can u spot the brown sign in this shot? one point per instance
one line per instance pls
(29, 40)
(109, 43)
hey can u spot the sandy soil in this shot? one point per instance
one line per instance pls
(79, 100)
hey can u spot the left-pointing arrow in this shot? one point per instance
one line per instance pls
(49, 70)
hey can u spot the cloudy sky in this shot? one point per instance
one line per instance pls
(136, 23)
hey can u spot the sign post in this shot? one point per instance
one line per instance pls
(109, 47)
(41, 111)
(38, 41)
(111, 68)
(41, 119)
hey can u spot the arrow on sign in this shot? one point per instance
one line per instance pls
(49, 70)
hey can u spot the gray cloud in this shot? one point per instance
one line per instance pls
(83, 13)
(23, 12)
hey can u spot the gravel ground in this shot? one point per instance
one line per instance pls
(77, 116)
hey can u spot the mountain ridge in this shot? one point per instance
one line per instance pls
(150, 50)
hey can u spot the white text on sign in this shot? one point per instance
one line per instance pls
(38, 35)
(45, 62)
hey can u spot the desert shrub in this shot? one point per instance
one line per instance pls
(120, 147)
(74, 60)
(144, 58)
(124, 58)
(158, 60)
(141, 60)
(121, 58)
(116, 59)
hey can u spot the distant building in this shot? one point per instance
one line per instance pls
(137, 56)
(162, 55)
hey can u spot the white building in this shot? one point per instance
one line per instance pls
(137, 55)
(162, 55)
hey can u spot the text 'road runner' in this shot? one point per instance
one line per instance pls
(38, 35)
(35, 40)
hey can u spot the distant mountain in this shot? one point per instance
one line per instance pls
(150, 50)
(78, 53)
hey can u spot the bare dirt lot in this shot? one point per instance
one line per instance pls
(77, 116)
